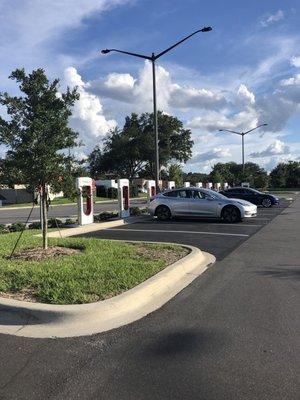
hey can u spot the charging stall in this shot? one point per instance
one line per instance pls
(218, 186)
(199, 185)
(84, 186)
(225, 185)
(151, 190)
(171, 184)
(186, 184)
(123, 196)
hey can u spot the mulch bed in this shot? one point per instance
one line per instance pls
(38, 253)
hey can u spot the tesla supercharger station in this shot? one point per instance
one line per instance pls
(209, 185)
(84, 186)
(186, 184)
(199, 184)
(171, 185)
(151, 190)
(218, 186)
(225, 186)
(123, 196)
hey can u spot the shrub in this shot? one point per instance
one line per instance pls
(104, 216)
(54, 223)
(135, 211)
(112, 193)
(35, 225)
(70, 221)
(3, 229)
(101, 191)
(134, 191)
(17, 227)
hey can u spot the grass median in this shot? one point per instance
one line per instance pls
(98, 270)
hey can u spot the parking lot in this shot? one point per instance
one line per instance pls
(213, 236)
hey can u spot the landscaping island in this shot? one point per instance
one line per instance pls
(78, 270)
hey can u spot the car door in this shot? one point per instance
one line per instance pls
(203, 205)
(252, 196)
(236, 193)
(180, 202)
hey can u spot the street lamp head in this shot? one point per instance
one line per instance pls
(264, 124)
(220, 130)
(206, 29)
(105, 51)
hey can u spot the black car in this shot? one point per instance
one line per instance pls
(252, 195)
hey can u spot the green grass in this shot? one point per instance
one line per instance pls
(103, 269)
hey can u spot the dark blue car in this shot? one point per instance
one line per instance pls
(251, 195)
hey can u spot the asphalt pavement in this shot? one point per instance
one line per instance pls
(232, 334)
(9, 215)
(213, 236)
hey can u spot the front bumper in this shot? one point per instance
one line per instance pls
(249, 213)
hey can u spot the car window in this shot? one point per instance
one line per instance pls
(184, 194)
(197, 194)
(174, 193)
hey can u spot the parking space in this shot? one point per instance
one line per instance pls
(212, 236)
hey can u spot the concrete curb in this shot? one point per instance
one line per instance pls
(39, 320)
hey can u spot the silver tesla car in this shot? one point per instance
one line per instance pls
(198, 202)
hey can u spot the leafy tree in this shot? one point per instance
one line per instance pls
(175, 174)
(129, 152)
(194, 177)
(37, 132)
(215, 177)
(232, 173)
(286, 175)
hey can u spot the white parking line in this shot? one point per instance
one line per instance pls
(167, 231)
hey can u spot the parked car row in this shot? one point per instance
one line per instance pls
(232, 205)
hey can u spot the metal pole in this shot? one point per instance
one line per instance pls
(155, 124)
(243, 153)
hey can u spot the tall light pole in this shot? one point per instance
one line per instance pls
(243, 143)
(153, 58)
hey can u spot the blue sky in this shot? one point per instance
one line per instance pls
(245, 72)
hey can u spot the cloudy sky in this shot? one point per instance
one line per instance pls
(243, 73)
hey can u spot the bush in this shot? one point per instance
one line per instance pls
(54, 223)
(135, 211)
(134, 191)
(101, 191)
(17, 227)
(104, 216)
(70, 221)
(34, 225)
(112, 193)
(3, 229)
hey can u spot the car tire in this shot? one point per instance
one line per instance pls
(266, 203)
(231, 214)
(163, 213)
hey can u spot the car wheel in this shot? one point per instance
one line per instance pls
(163, 213)
(231, 214)
(266, 203)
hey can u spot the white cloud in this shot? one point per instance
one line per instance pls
(87, 117)
(213, 121)
(274, 149)
(210, 155)
(271, 18)
(295, 61)
(295, 80)
(138, 92)
(244, 96)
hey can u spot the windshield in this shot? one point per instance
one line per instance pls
(216, 195)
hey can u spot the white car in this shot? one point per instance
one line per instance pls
(198, 202)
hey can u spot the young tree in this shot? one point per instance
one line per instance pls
(175, 174)
(37, 132)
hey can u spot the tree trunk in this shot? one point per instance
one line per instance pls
(44, 217)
